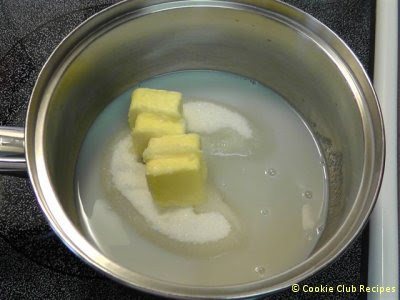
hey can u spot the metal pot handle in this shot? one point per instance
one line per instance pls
(12, 151)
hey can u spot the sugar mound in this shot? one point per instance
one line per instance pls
(207, 117)
(182, 224)
(227, 142)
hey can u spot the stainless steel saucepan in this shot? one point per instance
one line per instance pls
(268, 41)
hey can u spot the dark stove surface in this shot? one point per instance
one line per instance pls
(34, 264)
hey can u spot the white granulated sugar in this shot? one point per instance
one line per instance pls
(206, 117)
(181, 224)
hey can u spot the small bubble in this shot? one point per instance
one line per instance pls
(307, 194)
(320, 229)
(260, 270)
(322, 161)
(253, 82)
(270, 172)
(264, 212)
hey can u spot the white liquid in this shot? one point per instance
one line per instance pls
(275, 184)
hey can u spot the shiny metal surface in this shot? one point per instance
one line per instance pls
(12, 151)
(273, 43)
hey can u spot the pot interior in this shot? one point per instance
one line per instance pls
(303, 62)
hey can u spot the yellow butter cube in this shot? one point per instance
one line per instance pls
(149, 125)
(171, 145)
(166, 103)
(176, 180)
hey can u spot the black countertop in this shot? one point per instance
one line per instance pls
(34, 264)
